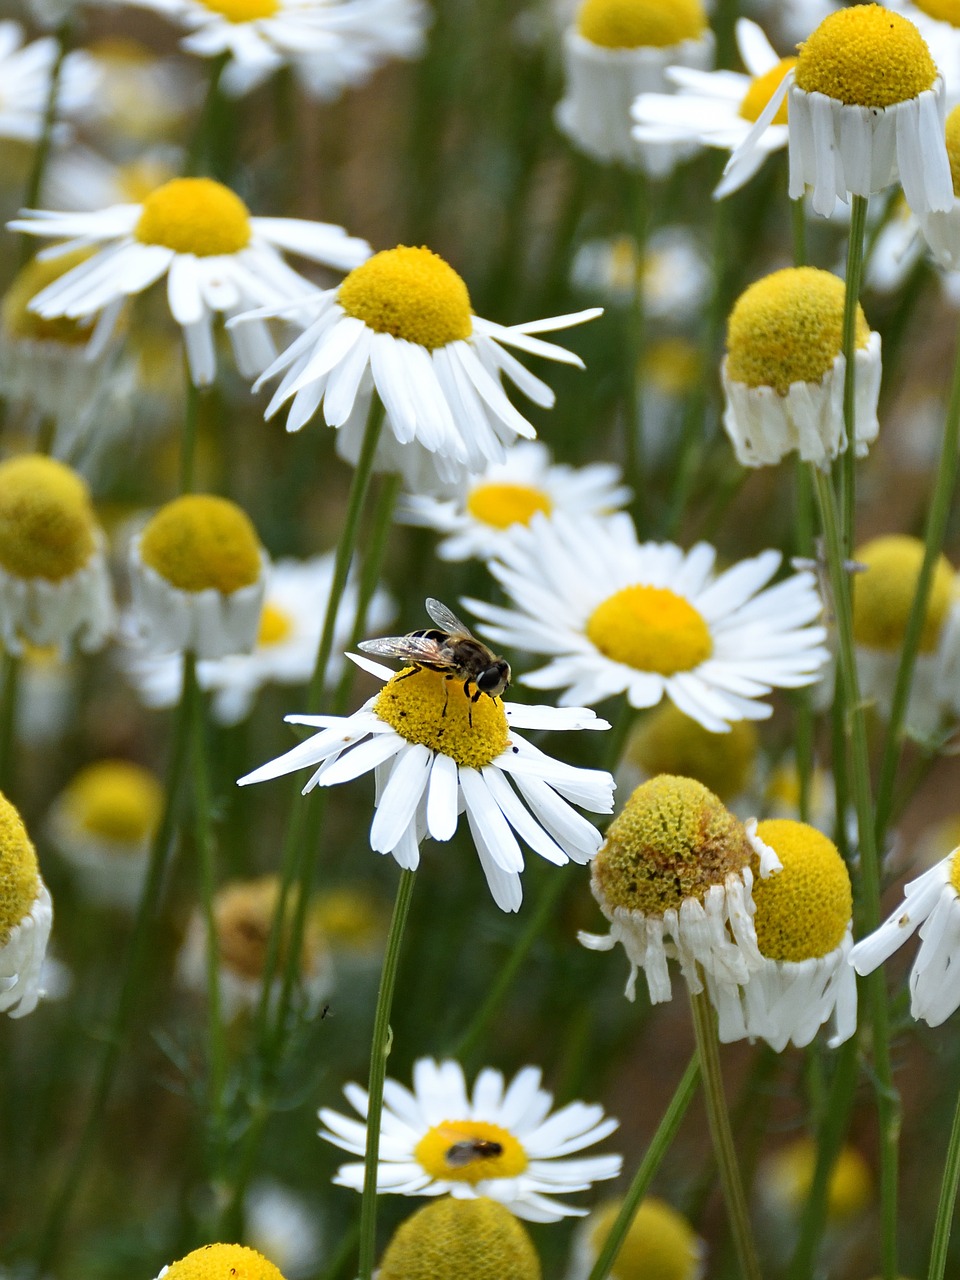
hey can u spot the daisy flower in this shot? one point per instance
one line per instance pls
(675, 879)
(25, 83)
(461, 1238)
(217, 260)
(785, 1181)
(143, 99)
(506, 496)
(402, 324)
(436, 753)
(285, 650)
(500, 1141)
(719, 108)
(660, 1241)
(26, 915)
(650, 620)
(941, 230)
(673, 276)
(80, 179)
(283, 1225)
(214, 1261)
(667, 741)
(932, 903)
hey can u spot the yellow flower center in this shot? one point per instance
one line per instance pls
(804, 910)
(242, 10)
(622, 264)
(672, 365)
(199, 541)
(47, 525)
(762, 89)
(955, 871)
(449, 1239)
(628, 24)
(194, 215)
(953, 147)
(276, 625)
(19, 874)
(782, 792)
(866, 56)
(788, 327)
(116, 800)
(223, 1262)
(667, 741)
(428, 708)
(411, 294)
(20, 323)
(351, 919)
(503, 505)
(470, 1151)
(883, 595)
(672, 840)
(942, 10)
(660, 1244)
(851, 1183)
(243, 912)
(651, 629)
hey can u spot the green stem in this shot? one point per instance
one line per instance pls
(937, 518)
(638, 210)
(379, 1052)
(947, 1203)
(652, 1159)
(208, 145)
(851, 299)
(803, 702)
(191, 417)
(719, 1121)
(9, 695)
(31, 196)
(798, 227)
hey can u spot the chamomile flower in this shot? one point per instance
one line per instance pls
(26, 915)
(673, 275)
(667, 741)
(803, 921)
(675, 878)
(499, 1141)
(651, 621)
(452, 1238)
(615, 50)
(507, 496)
(941, 230)
(932, 903)
(786, 1179)
(784, 371)
(402, 323)
(436, 753)
(719, 108)
(78, 178)
(283, 1225)
(143, 99)
(660, 1244)
(214, 1261)
(25, 71)
(217, 260)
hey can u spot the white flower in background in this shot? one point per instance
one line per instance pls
(500, 1141)
(26, 916)
(143, 100)
(941, 230)
(25, 83)
(506, 496)
(896, 250)
(79, 179)
(649, 620)
(938, 21)
(674, 277)
(286, 647)
(217, 259)
(284, 1227)
(719, 108)
(792, 20)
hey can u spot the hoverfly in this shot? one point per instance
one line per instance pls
(464, 1153)
(451, 649)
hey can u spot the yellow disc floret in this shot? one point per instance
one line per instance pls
(630, 24)
(667, 741)
(194, 215)
(242, 10)
(116, 800)
(883, 595)
(20, 323)
(788, 327)
(504, 505)
(790, 1173)
(427, 707)
(953, 147)
(451, 1239)
(19, 874)
(351, 919)
(47, 525)
(470, 1151)
(866, 56)
(673, 840)
(199, 541)
(660, 1245)
(762, 89)
(223, 1262)
(672, 365)
(955, 871)
(942, 10)
(651, 629)
(803, 911)
(243, 912)
(411, 294)
(276, 626)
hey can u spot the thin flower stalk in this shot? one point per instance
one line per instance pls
(188, 447)
(9, 693)
(947, 1203)
(208, 145)
(851, 300)
(38, 169)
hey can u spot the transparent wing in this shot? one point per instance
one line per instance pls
(446, 619)
(407, 649)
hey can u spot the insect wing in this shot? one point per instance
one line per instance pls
(446, 619)
(407, 649)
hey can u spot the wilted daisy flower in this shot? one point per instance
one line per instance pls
(660, 1244)
(25, 83)
(784, 371)
(614, 50)
(436, 753)
(650, 620)
(786, 1178)
(26, 914)
(499, 1142)
(719, 108)
(103, 824)
(675, 878)
(217, 260)
(882, 601)
(507, 496)
(402, 324)
(803, 921)
(932, 902)
(941, 230)
(198, 575)
(243, 912)
(451, 1238)
(667, 741)
(215, 1261)
(54, 585)
(673, 276)
(285, 651)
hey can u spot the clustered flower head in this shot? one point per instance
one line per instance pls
(26, 916)
(452, 1238)
(660, 1243)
